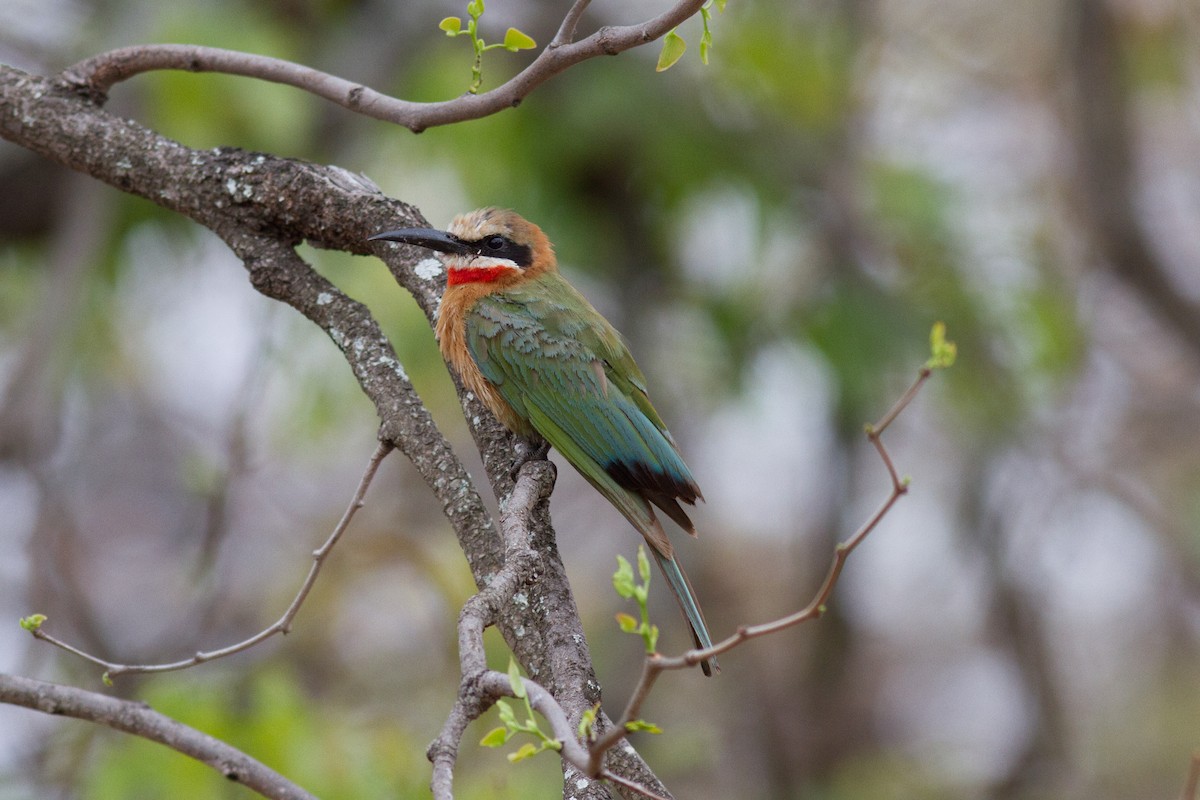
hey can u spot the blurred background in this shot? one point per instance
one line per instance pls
(775, 233)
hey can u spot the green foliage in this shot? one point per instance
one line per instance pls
(630, 589)
(801, 82)
(587, 724)
(212, 110)
(268, 715)
(498, 737)
(860, 331)
(672, 50)
(642, 726)
(33, 622)
(673, 45)
(915, 214)
(19, 277)
(1157, 56)
(639, 591)
(514, 40)
(943, 353)
(706, 38)
(1046, 319)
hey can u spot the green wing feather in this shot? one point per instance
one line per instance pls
(565, 370)
(561, 366)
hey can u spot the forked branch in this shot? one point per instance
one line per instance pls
(481, 687)
(654, 665)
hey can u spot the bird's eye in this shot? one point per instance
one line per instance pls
(496, 243)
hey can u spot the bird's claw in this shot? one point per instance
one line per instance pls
(529, 450)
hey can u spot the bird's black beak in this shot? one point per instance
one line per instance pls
(426, 237)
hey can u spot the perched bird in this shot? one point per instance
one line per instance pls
(544, 361)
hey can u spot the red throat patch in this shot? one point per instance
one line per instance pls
(461, 275)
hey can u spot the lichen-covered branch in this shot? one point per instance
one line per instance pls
(262, 206)
(481, 687)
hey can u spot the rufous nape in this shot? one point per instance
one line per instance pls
(545, 362)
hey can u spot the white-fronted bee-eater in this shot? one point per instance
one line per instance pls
(545, 362)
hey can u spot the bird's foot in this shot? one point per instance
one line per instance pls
(529, 450)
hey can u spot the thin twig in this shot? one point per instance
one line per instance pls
(655, 664)
(141, 720)
(610, 738)
(566, 31)
(282, 626)
(100, 73)
(217, 510)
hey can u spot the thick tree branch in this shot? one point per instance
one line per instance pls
(98, 74)
(262, 206)
(141, 720)
(481, 687)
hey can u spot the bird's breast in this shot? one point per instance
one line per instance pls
(451, 330)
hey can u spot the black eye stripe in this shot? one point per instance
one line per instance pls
(498, 246)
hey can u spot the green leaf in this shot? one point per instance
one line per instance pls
(643, 726)
(587, 723)
(643, 565)
(623, 578)
(32, 622)
(672, 51)
(506, 713)
(475, 9)
(943, 352)
(514, 678)
(451, 25)
(526, 750)
(627, 623)
(721, 6)
(496, 737)
(515, 40)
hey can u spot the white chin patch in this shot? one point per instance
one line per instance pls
(482, 262)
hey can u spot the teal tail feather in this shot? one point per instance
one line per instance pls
(682, 589)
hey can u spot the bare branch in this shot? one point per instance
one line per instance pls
(98, 74)
(141, 720)
(566, 31)
(656, 664)
(283, 625)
